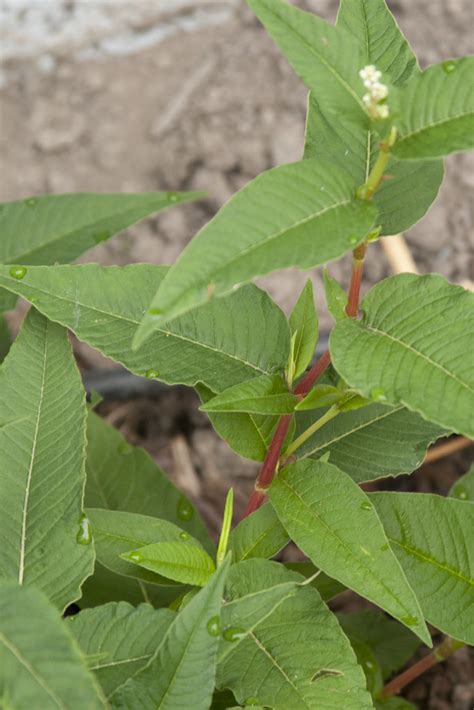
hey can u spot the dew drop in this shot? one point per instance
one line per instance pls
(385, 547)
(353, 239)
(31, 202)
(136, 557)
(214, 626)
(18, 272)
(84, 534)
(154, 311)
(409, 620)
(378, 393)
(172, 196)
(461, 493)
(233, 633)
(152, 374)
(366, 505)
(252, 701)
(184, 535)
(101, 236)
(124, 448)
(449, 67)
(185, 510)
(369, 665)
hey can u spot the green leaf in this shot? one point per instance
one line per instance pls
(411, 348)
(43, 535)
(59, 228)
(116, 533)
(267, 394)
(247, 434)
(119, 639)
(180, 561)
(464, 486)
(326, 586)
(370, 443)
(227, 341)
(320, 396)
(436, 111)
(394, 704)
(124, 477)
(392, 644)
(304, 323)
(259, 535)
(333, 523)
(5, 339)
(336, 297)
(432, 537)
(412, 187)
(288, 649)
(7, 300)
(326, 58)
(40, 664)
(181, 674)
(303, 214)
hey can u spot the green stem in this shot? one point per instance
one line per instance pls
(367, 190)
(299, 441)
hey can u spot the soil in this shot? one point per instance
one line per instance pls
(209, 108)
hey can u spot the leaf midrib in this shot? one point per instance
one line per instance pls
(413, 551)
(429, 126)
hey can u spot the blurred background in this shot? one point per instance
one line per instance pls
(141, 95)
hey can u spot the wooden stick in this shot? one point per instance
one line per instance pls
(398, 255)
(449, 447)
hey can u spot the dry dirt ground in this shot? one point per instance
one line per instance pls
(209, 108)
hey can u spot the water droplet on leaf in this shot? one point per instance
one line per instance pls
(172, 196)
(449, 67)
(214, 626)
(185, 510)
(124, 448)
(353, 239)
(378, 393)
(366, 505)
(233, 633)
(184, 535)
(155, 311)
(136, 557)
(18, 272)
(152, 374)
(409, 620)
(461, 493)
(101, 236)
(31, 202)
(84, 535)
(385, 547)
(252, 701)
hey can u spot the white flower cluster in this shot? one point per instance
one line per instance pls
(376, 92)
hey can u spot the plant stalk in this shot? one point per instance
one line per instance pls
(315, 426)
(358, 258)
(443, 651)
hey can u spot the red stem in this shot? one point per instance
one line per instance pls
(352, 307)
(444, 650)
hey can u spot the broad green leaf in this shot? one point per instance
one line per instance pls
(326, 586)
(464, 486)
(227, 341)
(259, 535)
(336, 297)
(332, 521)
(373, 26)
(303, 214)
(411, 347)
(325, 57)
(288, 649)
(182, 673)
(5, 338)
(267, 394)
(180, 561)
(44, 539)
(116, 533)
(432, 538)
(392, 644)
(119, 639)
(40, 664)
(247, 434)
(124, 477)
(372, 442)
(436, 111)
(59, 228)
(412, 187)
(304, 323)
(7, 300)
